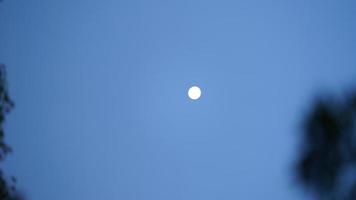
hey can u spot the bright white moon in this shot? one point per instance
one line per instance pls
(194, 92)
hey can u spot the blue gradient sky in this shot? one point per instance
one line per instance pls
(100, 91)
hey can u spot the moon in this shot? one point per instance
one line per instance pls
(194, 92)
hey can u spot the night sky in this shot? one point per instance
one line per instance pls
(101, 94)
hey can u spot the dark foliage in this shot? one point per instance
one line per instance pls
(327, 164)
(7, 190)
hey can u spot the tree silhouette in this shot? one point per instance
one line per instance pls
(327, 165)
(7, 191)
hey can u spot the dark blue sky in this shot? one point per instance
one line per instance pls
(101, 105)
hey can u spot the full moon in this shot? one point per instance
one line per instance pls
(194, 92)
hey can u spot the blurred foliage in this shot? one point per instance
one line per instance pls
(327, 165)
(7, 188)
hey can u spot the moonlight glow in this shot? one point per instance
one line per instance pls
(194, 92)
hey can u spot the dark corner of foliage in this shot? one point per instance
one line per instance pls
(327, 163)
(7, 185)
